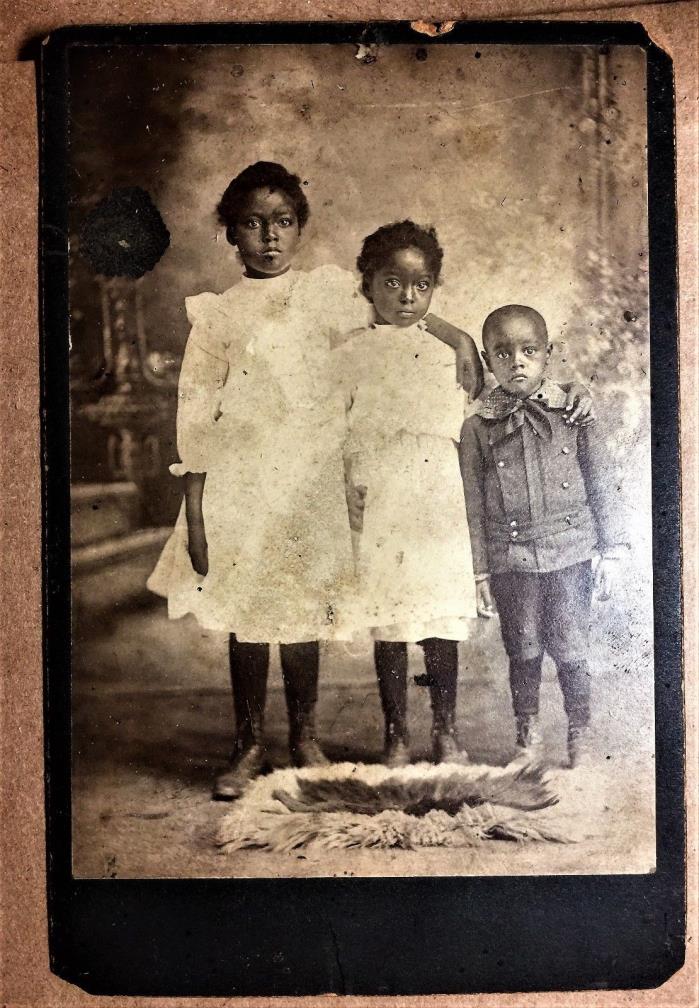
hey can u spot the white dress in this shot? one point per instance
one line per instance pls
(405, 413)
(261, 413)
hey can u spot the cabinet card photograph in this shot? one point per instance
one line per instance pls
(360, 460)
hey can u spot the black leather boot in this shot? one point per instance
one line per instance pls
(391, 659)
(442, 665)
(300, 667)
(249, 667)
(530, 743)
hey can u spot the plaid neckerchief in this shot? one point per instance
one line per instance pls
(503, 405)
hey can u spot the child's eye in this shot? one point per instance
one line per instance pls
(423, 285)
(530, 351)
(502, 355)
(252, 223)
(393, 283)
(286, 221)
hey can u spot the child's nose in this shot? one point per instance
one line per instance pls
(408, 296)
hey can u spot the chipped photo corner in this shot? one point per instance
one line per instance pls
(360, 496)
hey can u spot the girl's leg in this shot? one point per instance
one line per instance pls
(442, 665)
(391, 660)
(300, 666)
(249, 667)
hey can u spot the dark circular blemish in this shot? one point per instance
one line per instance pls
(476, 55)
(237, 70)
(421, 54)
(630, 317)
(124, 235)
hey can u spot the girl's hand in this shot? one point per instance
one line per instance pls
(606, 578)
(469, 370)
(356, 498)
(485, 606)
(579, 405)
(198, 547)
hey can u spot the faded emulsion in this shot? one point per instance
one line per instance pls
(408, 632)
(124, 235)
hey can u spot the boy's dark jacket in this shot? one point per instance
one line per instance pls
(540, 493)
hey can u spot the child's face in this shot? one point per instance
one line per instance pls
(401, 290)
(517, 353)
(267, 233)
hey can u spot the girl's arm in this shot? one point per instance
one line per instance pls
(469, 370)
(196, 533)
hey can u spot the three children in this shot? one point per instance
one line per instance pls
(272, 463)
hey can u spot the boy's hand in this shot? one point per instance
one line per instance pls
(606, 577)
(356, 498)
(485, 606)
(198, 547)
(579, 405)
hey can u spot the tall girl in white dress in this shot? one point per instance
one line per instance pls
(262, 547)
(405, 413)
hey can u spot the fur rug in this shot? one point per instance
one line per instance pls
(350, 805)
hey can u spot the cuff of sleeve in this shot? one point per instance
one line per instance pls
(616, 552)
(481, 577)
(181, 469)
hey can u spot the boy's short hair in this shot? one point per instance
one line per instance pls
(261, 175)
(377, 246)
(498, 318)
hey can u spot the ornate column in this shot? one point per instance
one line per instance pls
(138, 405)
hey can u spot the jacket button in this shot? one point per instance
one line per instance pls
(513, 524)
(569, 519)
(566, 450)
(565, 484)
(501, 464)
(514, 533)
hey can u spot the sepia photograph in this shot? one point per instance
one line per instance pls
(361, 561)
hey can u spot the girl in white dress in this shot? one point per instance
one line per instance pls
(262, 547)
(405, 413)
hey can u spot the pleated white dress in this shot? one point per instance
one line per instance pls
(260, 411)
(405, 413)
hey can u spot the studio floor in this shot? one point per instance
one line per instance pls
(152, 722)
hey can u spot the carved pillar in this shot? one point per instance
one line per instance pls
(139, 398)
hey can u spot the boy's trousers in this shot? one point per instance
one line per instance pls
(547, 613)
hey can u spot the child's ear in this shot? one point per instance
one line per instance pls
(484, 355)
(549, 351)
(230, 235)
(366, 289)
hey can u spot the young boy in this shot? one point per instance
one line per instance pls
(539, 502)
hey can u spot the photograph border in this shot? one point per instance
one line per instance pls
(369, 935)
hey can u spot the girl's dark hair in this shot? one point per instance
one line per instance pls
(377, 247)
(261, 175)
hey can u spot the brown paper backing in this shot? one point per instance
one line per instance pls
(25, 978)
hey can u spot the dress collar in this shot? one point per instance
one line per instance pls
(420, 326)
